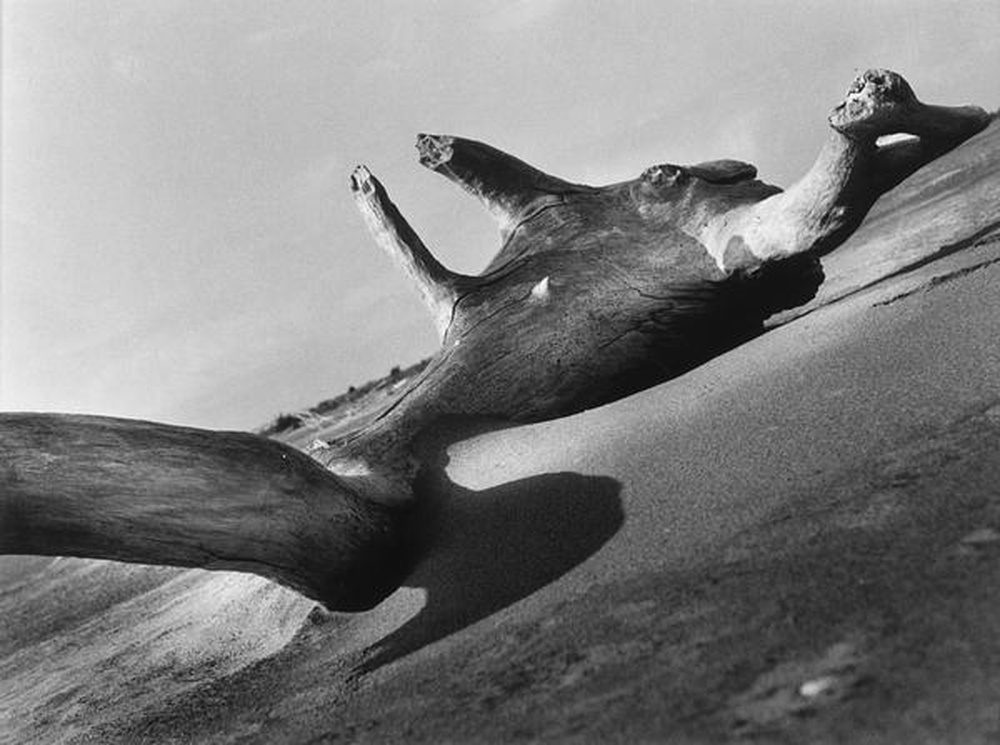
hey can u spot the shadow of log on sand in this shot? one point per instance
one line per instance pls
(485, 550)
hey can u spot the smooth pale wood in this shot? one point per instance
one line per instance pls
(852, 171)
(439, 287)
(157, 494)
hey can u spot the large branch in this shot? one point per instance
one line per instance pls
(157, 494)
(852, 171)
(509, 188)
(438, 286)
(881, 102)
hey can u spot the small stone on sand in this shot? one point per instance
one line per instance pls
(993, 414)
(817, 686)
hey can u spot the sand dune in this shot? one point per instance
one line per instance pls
(797, 542)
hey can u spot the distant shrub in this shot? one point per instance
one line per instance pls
(285, 422)
(354, 393)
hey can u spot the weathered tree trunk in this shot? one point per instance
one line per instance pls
(595, 293)
(138, 491)
(598, 292)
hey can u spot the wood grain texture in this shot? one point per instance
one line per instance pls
(648, 278)
(596, 292)
(157, 494)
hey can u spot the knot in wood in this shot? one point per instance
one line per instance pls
(666, 174)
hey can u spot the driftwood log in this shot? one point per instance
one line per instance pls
(596, 292)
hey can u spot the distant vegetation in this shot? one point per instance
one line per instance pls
(283, 423)
(288, 422)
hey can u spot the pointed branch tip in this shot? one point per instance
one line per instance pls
(540, 292)
(394, 235)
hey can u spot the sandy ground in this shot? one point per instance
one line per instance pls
(797, 542)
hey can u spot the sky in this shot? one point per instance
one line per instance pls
(179, 241)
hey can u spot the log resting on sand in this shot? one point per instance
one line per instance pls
(595, 293)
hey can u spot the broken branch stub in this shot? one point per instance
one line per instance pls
(595, 293)
(509, 188)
